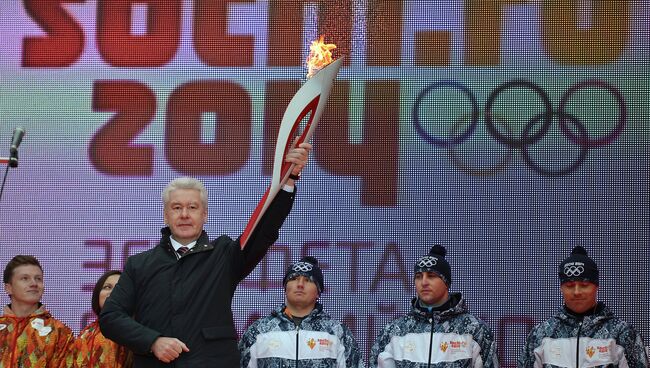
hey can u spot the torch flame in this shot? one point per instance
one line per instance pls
(320, 55)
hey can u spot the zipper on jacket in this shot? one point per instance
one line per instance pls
(430, 343)
(578, 346)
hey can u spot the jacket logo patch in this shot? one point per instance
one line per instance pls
(325, 344)
(444, 346)
(603, 349)
(311, 343)
(457, 344)
(409, 346)
(452, 345)
(39, 325)
(590, 351)
(274, 344)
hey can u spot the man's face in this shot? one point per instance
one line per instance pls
(185, 215)
(26, 285)
(430, 288)
(301, 292)
(579, 296)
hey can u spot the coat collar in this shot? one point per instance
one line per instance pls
(457, 306)
(202, 243)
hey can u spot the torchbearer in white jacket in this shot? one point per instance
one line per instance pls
(299, 333)
(584, 332)
(439, 331)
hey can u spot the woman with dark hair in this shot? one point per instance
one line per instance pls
(92, 349)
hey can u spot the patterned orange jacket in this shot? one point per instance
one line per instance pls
(38, 340)
(93, 350)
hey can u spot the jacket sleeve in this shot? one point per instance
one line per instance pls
(116, 319)
(380, 353)
(78, 348)
(266, 232)
(634, 350)
(245, 343)
(527, 356)
(489, 354)
(63, 355)
(352, 353)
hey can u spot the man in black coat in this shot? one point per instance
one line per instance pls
(172, 305)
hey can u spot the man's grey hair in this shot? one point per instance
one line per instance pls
(185, 183)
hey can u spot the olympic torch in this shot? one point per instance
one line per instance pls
(309, 102)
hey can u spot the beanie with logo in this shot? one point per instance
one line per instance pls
(308, 267)
(578, 267)
(435, 262)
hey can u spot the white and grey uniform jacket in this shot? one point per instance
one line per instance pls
(596, 340)
(449, 338)
(318, 341)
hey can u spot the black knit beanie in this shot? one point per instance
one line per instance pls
(435, 262)
(578, 267)
(308, 267)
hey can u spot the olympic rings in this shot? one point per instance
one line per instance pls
(442, 142)
(465, 167)
(302, 267)
(609, 138)
(427, 262)
(572, 271)
(571, 168)
(527, 138)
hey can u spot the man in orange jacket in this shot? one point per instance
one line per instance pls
(29, 335)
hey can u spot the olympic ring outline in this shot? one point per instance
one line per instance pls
(607, 139)
(302, 267)
(572, 271)
(500, 166)
(573, 167)
(527, 139)
(441, 142)
(427, 262)
(462, 166)
(548, 116)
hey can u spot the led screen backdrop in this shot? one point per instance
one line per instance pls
(507, 130)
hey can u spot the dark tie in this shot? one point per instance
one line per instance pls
(182, 250)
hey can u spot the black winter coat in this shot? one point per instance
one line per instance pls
(189, 298)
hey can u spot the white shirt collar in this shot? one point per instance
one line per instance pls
(177, 245)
